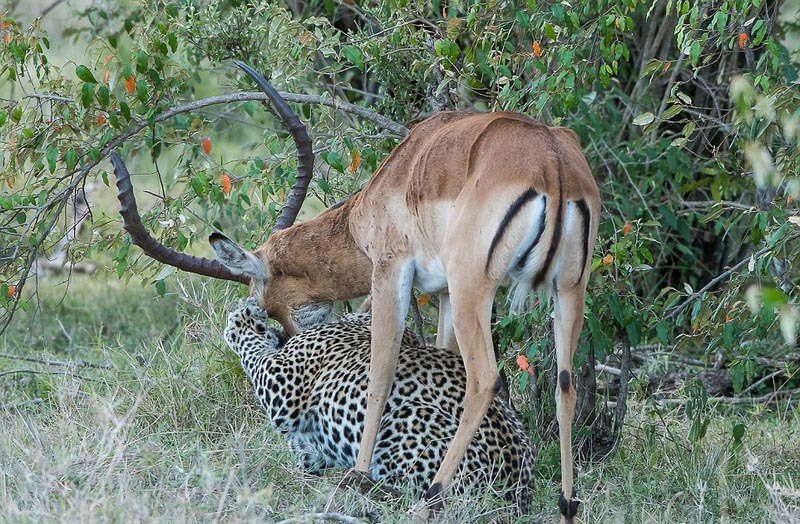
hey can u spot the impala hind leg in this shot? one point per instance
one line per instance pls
(569, 306)
(471, 308)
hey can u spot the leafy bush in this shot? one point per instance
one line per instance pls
(688, 112)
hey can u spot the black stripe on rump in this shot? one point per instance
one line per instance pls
(542, 223)
(556, 240)
(583, 208)
(514, 209)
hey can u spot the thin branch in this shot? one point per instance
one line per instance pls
(49, 97)
(760, 381)
(40, 372)
(399, 130)
(65, 363)
(333, 517)
(790, 395)
(418, 322)
(724, 275)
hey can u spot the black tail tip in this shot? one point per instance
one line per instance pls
(216, 235)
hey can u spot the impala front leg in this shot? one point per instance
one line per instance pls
(391, 285)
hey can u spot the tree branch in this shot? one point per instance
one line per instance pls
(714, 281)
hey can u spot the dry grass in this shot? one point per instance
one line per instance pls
(171, 434)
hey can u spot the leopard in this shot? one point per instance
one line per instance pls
(313, 389)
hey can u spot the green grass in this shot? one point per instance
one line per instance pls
(171, 433)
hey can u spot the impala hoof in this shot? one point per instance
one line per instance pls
(426, 511)
(569, 508)
(364, 484)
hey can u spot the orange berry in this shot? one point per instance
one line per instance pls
(524, 364)
(537, 50)
(7, 38)
(101, 119)
(742, 40)
(788, 200)
(130, 84)
(608, 259)
(627, 228)
(206, 145)
(107, 76)
(12, 291)
(355, 161)
(226, 184)
(423, 299)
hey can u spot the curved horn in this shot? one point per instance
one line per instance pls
(305, 155)
(132, 223)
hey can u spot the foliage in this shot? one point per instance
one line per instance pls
(688, 112)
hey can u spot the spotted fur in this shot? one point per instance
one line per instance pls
(313, 388)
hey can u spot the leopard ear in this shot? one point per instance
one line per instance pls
(312, 315)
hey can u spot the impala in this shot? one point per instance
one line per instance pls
(465, 203)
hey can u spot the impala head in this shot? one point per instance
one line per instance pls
(282, 302)
(283, 297)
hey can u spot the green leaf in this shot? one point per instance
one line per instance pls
(354, 56)
(644, 119)
(16, 113)
(52, 158)
(71, 158)
(141, 90)
(141, 61)
(671, 111)
(727, 335)
(3, 117)
(84, 74)
(87, 95)
(694, 52)
(104, 96)
(448, 49)
(161, 287)
(550, 31)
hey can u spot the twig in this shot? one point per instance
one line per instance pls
(55, 98)
(41, 372)
(376, 118)
(333, 517)
(760, 381)
(608, 369)
(65, 363)
(769, 398)
(64, 331)
(722, 276)
(418, 322)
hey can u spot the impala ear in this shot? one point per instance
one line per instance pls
(238, 259)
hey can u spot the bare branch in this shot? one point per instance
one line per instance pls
(308, 518)
(714, 281)
(64, 363)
